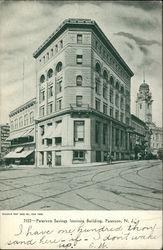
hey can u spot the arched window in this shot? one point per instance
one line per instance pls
(50, 73)
(98, 68)
(79, 80)
(122, 89)
(42, 79)
(112, 81)
(105, 75)
(117, 86)
(59, 67)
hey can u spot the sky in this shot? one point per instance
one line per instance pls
(133, 27)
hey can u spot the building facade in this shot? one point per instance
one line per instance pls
(140, 138)
(22, 134)
(83, 96)
(4, 145)
(156, 138)
(144, 112)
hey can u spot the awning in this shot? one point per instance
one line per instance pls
(58, 130)
(21, 134)
(15, 155)
(11, 155)
(29, 132)
(18, 150)
(48, 133)
(15, 135)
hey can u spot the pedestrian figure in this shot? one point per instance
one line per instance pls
(109, 158)
(49, 161)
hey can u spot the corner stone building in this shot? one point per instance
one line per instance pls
(83, 96)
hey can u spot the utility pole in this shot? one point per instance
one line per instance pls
(23, 81)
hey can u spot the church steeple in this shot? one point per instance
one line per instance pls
(144, 102)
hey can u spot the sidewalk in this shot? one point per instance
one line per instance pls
(83, 165)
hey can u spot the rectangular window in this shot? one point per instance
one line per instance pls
(97, 132)
(79, 38)
(31, 117)
(122, 103)
(59, 104)
(50, 91)
(111, 95)
(97, 104)
(25, 120)
(79, 155)
(104, 133)
(49, 142)
(42, 130)
(42, 111)
(140, 106)
(79, 101)
(43, 59)
(42, 96)
(105, 91)
(117, 114)
(50, 108)
(97, 87)
(105, 109)
(79, 59)
(58, 140)
(111, 111)
(78, 131)
(59, 86)
(21, 122)
(117, 100)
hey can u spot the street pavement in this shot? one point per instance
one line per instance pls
(132, 185)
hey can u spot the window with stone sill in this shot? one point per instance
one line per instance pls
(79, 38)
(79, 59)
(79, 80)
(79, 127)
(79, 155)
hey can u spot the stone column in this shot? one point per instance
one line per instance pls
(53, 158)
(45, 158)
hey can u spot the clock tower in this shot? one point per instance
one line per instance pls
(144, 103)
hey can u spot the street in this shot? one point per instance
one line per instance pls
(132, 185)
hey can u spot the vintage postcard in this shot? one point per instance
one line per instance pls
(81, 124)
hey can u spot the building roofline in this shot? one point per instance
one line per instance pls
(81, 23)
(138, 119)
(23, 106)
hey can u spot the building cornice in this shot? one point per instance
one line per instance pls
(23, 107)
(86, 24)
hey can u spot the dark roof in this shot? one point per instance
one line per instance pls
(82, 23)
(144, 86)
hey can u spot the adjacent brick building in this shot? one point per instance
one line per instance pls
(22, 134)
(4, 145)
(83, 96)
